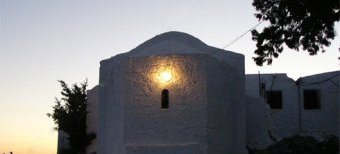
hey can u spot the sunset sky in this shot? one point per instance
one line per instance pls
(42, 41)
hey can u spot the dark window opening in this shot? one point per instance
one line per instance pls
(274, 99)
(311, 99)
(165, 99)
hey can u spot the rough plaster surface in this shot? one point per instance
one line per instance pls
(208, 105)
(293, 118)
(338, 100)
(92, 116)
(112, 84)
(324, 121)
(260, 128)
(62, 141)
(226, 108)
(285, 119)
(183, 123)
(207, 108)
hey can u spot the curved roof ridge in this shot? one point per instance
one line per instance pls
(181, 37)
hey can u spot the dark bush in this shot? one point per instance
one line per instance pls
(302, 145)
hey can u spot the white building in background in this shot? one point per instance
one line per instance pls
(174, 94)
(319, 104)
(308, 106)
(62, 141)
(92, 117)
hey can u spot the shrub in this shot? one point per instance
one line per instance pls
(302, 145)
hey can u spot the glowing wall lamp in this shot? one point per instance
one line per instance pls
(165, 75)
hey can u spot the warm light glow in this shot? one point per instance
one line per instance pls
(166, 72)
(166, 75)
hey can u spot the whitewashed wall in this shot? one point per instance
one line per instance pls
(293, 118)
(207, 110)
(112, 84)
(92, 117)
(285, 120)
(226, 104)
(260, 127)
(214, 108)
(324, 121)
(182, 126)
(62, 141)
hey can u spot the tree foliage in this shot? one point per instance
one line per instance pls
(69, 115)
(306, 24)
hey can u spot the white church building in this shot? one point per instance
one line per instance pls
(174, 94)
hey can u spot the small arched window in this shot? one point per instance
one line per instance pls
(165, 99)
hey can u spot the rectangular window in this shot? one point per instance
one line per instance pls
(311, 99)
(274, 99)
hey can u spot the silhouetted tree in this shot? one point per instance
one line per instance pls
(69, 115)
(295, 23)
